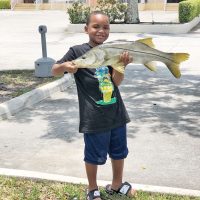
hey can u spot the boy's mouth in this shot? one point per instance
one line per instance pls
(100, 36)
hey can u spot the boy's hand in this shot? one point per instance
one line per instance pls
(126, 58)
(69, 67)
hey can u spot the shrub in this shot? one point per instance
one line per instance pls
(188, 10)
(78, 13)
(116, 11)
(4, 4)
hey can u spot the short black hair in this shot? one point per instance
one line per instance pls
(96, 12)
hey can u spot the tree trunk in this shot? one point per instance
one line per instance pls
(132, 15)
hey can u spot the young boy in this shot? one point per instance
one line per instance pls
(103, 116)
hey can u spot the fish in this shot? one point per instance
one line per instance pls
(142, 51)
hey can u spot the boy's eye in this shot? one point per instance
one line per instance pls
(96, 26)
(106, 27)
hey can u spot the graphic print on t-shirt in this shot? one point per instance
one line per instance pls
(105, 85)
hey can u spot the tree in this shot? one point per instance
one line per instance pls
(132, 15)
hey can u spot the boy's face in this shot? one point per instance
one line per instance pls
(98, 29)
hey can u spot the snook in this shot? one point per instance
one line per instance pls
(142, 51)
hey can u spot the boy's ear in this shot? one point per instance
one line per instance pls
(86, 29)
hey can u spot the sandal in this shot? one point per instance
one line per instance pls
(125, 189)
(93, 194)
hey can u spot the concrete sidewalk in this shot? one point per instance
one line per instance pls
(164, 133)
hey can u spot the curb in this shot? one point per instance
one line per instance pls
(9, 108)
(75, 180)
(144, 27)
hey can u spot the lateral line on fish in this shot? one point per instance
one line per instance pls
(144, 53)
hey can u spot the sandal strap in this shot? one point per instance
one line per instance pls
(125, 188)
(93, 194)
(109, 190)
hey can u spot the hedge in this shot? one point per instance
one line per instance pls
(4, 4)
(188, 10)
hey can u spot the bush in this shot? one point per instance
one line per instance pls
(78, 13)
(4, 4)
(113, 9)
(188, 10)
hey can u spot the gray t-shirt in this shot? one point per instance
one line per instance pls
(101, 107)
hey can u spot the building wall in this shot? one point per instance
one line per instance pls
(143, 4)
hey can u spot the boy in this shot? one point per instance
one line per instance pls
(103, 116)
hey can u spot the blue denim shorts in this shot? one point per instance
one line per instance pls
(99, 145)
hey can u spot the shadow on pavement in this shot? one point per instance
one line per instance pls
(161, 102)
(156, 100)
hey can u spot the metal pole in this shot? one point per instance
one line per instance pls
(43, 30)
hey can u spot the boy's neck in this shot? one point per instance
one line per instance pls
(93, 44)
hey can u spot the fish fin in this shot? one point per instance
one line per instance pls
(111, 61)
(180, 57)
(147, 41)
(151, 66)
(177, 59)
(119, 67)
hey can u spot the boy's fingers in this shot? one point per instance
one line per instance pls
(73, 70)
(70, 67)
(126, 58)
(130, 59)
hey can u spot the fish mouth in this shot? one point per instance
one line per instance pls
(73, 62)
(79, 64)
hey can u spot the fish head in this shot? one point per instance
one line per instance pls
(93, 58)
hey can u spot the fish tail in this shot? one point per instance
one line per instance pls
(177, 59)
(180, 57)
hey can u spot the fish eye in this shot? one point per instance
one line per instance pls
(83, 57)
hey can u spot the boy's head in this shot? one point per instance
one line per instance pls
(97, 27)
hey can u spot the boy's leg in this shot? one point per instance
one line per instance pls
(117, 167)
(118, 152)
(96, 148)
(91, 171)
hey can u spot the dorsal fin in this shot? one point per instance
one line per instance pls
(147, 41)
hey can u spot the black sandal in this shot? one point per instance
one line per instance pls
(109, 190)
(123, 190)
(93, 194)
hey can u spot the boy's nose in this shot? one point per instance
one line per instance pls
(101, 30)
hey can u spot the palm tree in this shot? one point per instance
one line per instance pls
(132, 15)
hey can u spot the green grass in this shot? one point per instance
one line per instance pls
(14, 83)
(12, 188)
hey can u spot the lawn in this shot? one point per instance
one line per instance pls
(12, 188)
(16, 82)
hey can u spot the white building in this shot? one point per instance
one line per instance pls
(63, 4)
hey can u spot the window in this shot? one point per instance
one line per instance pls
(173, 1)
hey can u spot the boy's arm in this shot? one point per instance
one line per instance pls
(118, 77)
(59, 69)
